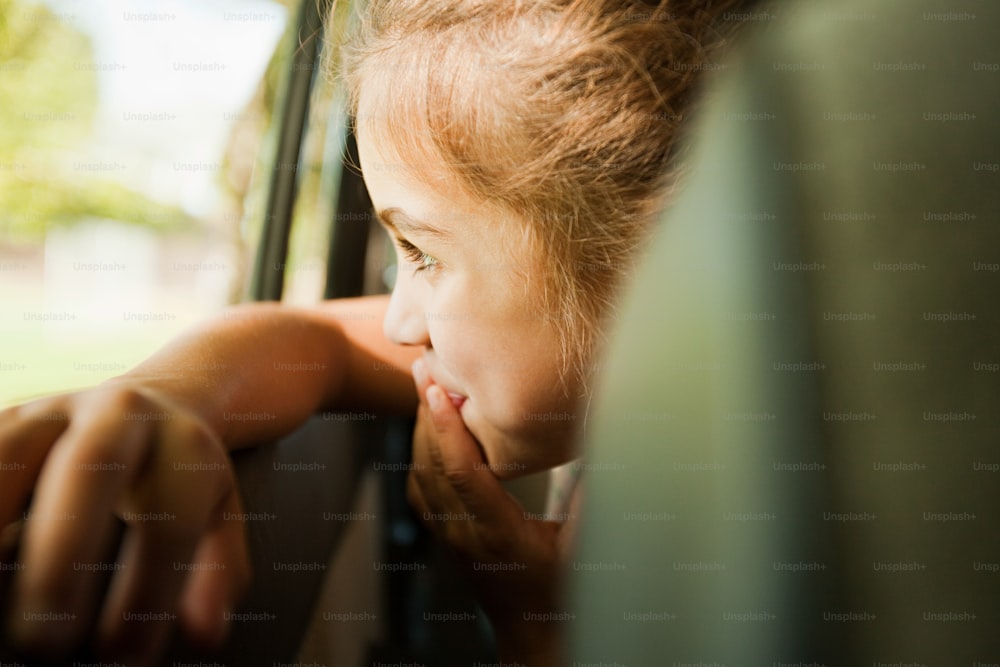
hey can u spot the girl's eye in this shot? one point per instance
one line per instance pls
(416, 256)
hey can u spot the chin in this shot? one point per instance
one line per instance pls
(509, 456)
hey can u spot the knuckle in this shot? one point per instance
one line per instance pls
(125, 401)
(438, 465)
(421, 474)
(191, 442)
(459, 479)
(121, 433)
(25, 428)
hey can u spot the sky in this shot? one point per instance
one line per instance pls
(190, 65)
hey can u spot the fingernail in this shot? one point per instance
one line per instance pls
(419, 369)
(435, 397)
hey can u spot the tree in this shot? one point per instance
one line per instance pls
(48, 99)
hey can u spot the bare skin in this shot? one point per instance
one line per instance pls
(251, 375)
(116, 450)
(128, 449)
(513, 563)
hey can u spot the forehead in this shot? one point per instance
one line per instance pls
(403, 170)
(466, 235)
(396, 139)
(388, 121)
(406, 191)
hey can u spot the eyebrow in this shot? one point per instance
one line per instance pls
(396, 218)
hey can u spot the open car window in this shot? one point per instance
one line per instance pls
(136, 144)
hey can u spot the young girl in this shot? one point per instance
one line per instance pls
(515, 152)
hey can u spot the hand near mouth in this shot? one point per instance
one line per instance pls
(513, 563)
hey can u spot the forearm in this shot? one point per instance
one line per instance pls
(257, 371)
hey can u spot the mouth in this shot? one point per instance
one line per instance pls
(441, 379)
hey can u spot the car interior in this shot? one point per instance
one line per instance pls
(794, 447)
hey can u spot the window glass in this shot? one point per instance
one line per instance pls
(321, 171)
(130, 137)
(319, 174)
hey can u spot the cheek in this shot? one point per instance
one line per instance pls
(517, 393)
(466, 353)
(505, 364)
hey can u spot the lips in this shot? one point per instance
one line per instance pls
(441, 379)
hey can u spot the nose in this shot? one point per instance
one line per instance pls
(404, 322)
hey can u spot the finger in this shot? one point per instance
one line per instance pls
(419, 453)
(470, 509)
(168, 511)
(421, 377)
(26, 434)
(71, 525)
(439, 497)
(426, 492)
(132, 630)
(219, 578)
(458, 459)
(434, 501)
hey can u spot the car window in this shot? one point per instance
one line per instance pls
(319, 173)
(336, 247)
(133, 139)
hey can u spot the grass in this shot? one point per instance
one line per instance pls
(30, 368)
(39, 358)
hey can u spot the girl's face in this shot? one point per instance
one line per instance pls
(464, 292)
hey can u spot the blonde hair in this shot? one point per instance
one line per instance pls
(565, 114)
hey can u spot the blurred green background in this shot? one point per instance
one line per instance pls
(131, 143)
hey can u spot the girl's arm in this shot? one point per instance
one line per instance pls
(149, 449)
(259, 370)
